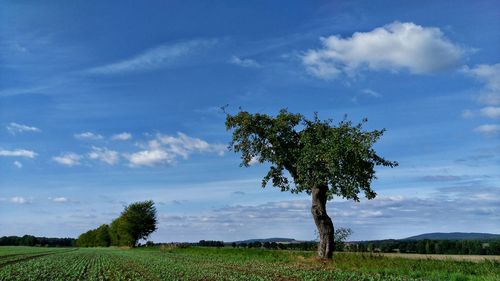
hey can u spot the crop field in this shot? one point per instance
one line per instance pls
(24, 263)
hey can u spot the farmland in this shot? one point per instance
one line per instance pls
(25, 263)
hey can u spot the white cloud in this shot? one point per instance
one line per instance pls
(183, 145)
(371, 93)
(165, 149)
(490, 76)
(488, 129)
(154, 58)
(392, 47)
(68, 159)
(122, 136)
(254, 161)
(149, 158)
(20, 200)
(244, 62)
(14, 128)
(88, 136)
(59, 199)
(105, 155)
(18, 164)
(491, 112)
(366, 93)
(18, 153)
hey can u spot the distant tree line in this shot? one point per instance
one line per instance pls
(211, 243)
(461, 247)
(30, 240)
(298, 246)
(301, 246)
(340, 235)
(136, 222)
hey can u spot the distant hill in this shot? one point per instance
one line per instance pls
(270, 240)
(430, 236)
(454, 236)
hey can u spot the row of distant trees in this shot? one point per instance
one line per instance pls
(301, 246)
(136, 222)
(461, 247)
(211, 243)
(341, 234)
(30, 240)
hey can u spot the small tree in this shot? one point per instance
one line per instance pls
(323, 159)
(138, 221)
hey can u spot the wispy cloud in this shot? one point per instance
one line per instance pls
(59, 199)
(371, 93)
(105, 155)
(244, 62)
(14, 128)
(18, 153)
(488, 129)
(68, 159)
(489, 75)
(122, 136)
(366, 93)
(491, 112)
(88, 136)
(393, 47)
(441, 178)
(157, 57)
(21, 90)
(20, 200)
(18, 164)
(456, 208)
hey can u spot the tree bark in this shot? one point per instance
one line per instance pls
(323, 221)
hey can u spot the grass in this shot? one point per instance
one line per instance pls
(198, 263)
(429, 269)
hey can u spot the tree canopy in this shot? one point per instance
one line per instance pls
(139, 220)
(314, 152)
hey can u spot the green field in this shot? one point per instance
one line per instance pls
(25, 263)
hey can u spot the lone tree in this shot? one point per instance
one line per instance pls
(322, 158)
(137, 221)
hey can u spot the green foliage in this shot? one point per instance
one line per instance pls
(136, 222)
(119, 234)
(342, 233)
(30, 240)
(457, 247)
(314, 152)
(211, 243)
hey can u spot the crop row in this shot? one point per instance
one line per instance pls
(116, 264)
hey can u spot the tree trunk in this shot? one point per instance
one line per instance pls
(323, 221)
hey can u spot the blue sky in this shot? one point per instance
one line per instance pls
(105, 103)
